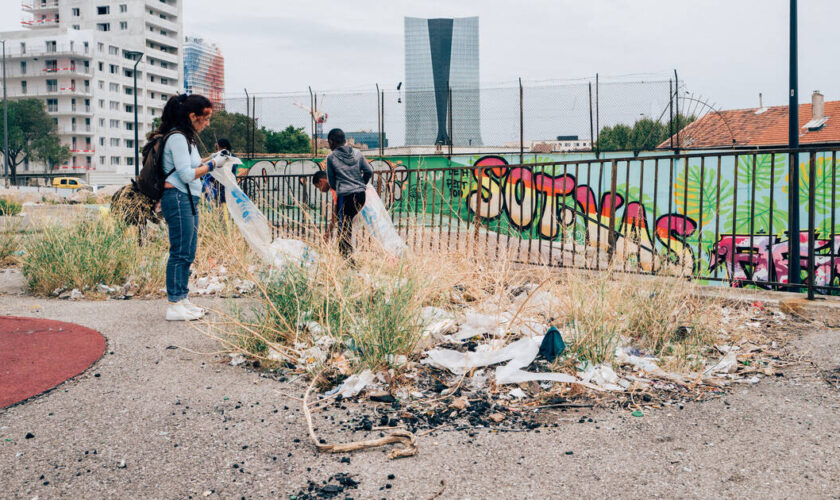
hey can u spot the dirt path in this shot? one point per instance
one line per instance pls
(185, 424)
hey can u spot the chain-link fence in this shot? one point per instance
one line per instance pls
(536, 116)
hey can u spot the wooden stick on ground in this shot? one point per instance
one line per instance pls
(397, 436)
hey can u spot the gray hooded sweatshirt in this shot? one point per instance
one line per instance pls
(348, 171)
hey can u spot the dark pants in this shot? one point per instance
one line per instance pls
(348, 206)
(183, 239)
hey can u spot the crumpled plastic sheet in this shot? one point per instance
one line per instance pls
(476, 323)
(518, 354)
(727, 364)
(646, 365)
(354, 384)
(603, 376)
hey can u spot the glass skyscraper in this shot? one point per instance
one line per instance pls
(441, 60)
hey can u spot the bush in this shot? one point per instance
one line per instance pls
(9, 207)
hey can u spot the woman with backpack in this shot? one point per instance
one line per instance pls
(183, 118)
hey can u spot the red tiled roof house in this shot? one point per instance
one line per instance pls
(819, 123)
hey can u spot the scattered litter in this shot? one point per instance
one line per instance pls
(517, 393)
(478, 380)
(354, 384)
(313, 356)
(727, 364)
(602, 376)
(637, 413)
(236, 359)
(519, 355)
(102, 288)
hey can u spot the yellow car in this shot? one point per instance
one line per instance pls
(68, 183)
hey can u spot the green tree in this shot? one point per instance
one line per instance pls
(615, 138)
(289, 140)
(644, 135)
(32, 136)
(234, 127)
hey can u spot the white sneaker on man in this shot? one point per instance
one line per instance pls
(194, 308)
(179, 312)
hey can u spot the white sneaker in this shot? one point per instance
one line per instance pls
(194, 308)
(179, 312)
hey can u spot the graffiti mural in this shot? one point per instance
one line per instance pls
(766, 258)
(560, 206)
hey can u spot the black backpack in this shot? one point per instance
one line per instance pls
(151, 179)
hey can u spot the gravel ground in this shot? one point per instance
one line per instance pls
(149, 421)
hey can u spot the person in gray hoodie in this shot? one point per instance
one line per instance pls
(347, 172)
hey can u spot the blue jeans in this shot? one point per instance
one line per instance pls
(183, 238)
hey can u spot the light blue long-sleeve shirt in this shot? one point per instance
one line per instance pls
(177, 155)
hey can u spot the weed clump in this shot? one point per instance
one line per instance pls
(80, 256)
(9, 206)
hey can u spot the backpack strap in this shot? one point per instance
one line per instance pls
(159, 160)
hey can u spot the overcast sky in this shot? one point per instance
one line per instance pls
(726, 50)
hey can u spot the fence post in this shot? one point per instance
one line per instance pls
(521, 127)
(591, 125)
(451, 120)
(812, 171)
(312, 122)
(612, 238)
(379, 120)
(382, 127)
(677, 104)
(248, 135)
(597, 115)
(671, 114)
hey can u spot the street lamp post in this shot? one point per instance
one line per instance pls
(793, 163)
(5, 120)
(139, 57)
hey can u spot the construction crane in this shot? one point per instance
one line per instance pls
(319, 116)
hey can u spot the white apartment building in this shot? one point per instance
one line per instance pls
(79, 56)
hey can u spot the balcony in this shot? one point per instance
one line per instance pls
(40, 23)
(78, 52)
(162, 7)
(163, 56)
(66, 110)
(165, 24)
(76, 130)
(68, 70)
(157, 71)
(164, 40)
(83, 151)
(36, 6)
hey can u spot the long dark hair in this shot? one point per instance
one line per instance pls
(176, 114)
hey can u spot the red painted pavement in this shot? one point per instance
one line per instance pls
(38, 354)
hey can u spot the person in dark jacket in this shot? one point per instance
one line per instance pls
(348, 172)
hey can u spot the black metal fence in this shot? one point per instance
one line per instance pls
(728, 217)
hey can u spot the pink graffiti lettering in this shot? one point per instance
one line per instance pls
(765, 258)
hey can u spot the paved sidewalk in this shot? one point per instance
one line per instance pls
(149, 421)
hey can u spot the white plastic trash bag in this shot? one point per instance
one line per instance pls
(255, 227)
(375, 218)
